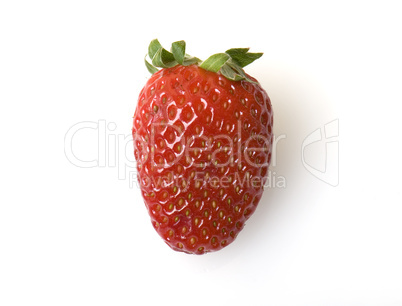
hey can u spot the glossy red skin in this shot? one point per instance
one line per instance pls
(180, 110)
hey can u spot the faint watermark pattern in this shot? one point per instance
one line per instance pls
(115, 150)
(326, 136)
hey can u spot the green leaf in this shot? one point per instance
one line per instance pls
(215, 62)
(240, 71)
(150, 68)
(237, 68)
(237, 51)
(190, 60)
(154, 46)
(179, 51)
(163, 59)
(242, 57)
(230, 74)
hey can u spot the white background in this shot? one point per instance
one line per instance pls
(82, 236)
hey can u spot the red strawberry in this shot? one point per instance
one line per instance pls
(202, 140)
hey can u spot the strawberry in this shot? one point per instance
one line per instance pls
(202, 136)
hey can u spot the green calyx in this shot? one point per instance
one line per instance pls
(162, 58)
(230, 64)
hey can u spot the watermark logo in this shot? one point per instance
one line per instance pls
(116, 150)
(326, 136)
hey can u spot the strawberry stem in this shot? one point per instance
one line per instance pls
(230, 64)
